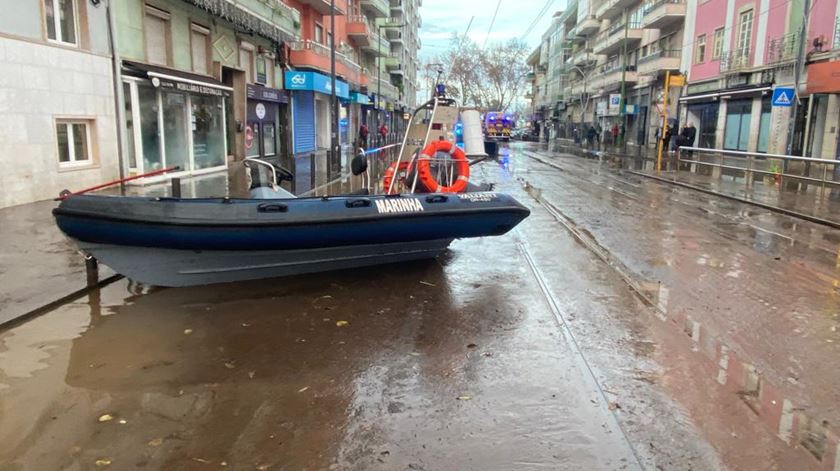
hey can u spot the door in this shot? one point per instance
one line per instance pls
(764, 124)
(322, 124)
(736, 132)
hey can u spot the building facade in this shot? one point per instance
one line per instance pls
(57, 107)
(733, 53)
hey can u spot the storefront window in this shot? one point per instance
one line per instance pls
(208, 131)
(129, 127)
(764, 125)
(252, 139)
(149, 132)
(175, 130)
(269, 139)
(737, 132)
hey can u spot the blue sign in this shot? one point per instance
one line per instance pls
(358, 97)
(783, 96)
(299, 80)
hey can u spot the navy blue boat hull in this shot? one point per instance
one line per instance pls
(183, 242)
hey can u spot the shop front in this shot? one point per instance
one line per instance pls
(173, 118)
(310, 100)
(823, 86)
(264, 124)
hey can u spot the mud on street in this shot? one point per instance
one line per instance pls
(574, 342)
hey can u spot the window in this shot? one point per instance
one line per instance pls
(246, 61)
(718, 45)
(73, 142)
(700, 51)
(61, 21)
(745, 21)
(157, 36)
(319, 33)
(200, 44)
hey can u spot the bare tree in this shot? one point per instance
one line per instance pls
(489, 78)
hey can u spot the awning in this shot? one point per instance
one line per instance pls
(164, 77)
(724, 94)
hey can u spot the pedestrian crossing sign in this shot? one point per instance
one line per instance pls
(782, 96)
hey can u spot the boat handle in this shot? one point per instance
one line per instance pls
(272, 208)
(437, 199)
(359, 203)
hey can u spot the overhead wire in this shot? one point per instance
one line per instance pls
(539, 16)
(492, 22)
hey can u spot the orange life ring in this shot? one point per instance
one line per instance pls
(462, 168)
(389, 175)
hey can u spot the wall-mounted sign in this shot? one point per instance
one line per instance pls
(298, 80)
(260, 93)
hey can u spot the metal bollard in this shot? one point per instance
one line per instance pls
(92, 271)
(176, 187)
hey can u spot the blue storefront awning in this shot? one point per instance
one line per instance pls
(300, 80)
(359, 97)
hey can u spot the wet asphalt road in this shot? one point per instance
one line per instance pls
(591, 337)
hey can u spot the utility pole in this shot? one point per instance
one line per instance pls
(623, 100)
(335, 150)
(798, 65)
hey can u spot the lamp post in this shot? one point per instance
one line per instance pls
(335, 151)
(379, 67)
(583, 104)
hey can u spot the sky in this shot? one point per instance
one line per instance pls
(441, 18)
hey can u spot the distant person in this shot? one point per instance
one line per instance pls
(666, 139)
(590, 136)
(364, 132)
(383, 132)
(687, 136)
(615, 134)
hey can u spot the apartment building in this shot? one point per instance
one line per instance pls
(737, 52)
(733, 53)
(547, 74)
(57, 107)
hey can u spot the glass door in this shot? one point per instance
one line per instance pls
(175, 117)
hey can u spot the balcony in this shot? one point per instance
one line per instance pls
(613, 40)
(397, 8)
(377, 45)
(376, 8)
(582, 58)
(610, 77)
(660, 61)
(612, 8)
(314, 55)
(358, 30)
(736, 61)
(389, 91)
(588, 26)
(392, 23)
(782, 50)
(321, 6)
(663, 13)
(393, 61)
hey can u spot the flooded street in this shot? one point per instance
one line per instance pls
(626, 324)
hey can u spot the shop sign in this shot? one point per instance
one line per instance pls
(601, 108)
(697, 88)
(824, 77)
(361, 98)
(260, 111)
(615, 103)
(299, 80)
(260, 93)
(188, 87)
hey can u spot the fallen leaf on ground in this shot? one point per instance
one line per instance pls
(106, 418)
(201, 460)
(464, 397)
(230, 365)
(102, 462)
(472, 345)
(341, 323)
(414, 354)
(156, 442)
(427, 283)
(303, 389)
(251, 374)
(123, 421)
(614, 406)
(187, 331)
(263, 467)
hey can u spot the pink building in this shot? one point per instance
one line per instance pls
(736, 52)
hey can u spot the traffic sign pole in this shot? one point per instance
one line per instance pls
(664, 122)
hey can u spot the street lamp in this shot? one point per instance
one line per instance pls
(379, 66)
(583, 104)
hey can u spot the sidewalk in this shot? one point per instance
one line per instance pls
(789, 196)
(38, 265)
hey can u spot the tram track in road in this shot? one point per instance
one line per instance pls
(706, 204)
(569, 336)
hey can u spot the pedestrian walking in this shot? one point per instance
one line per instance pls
(590, 136)
(364, 132)
(615, 134)
(383, 133)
